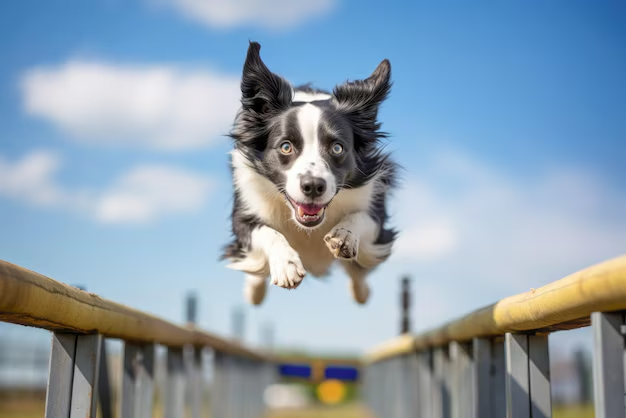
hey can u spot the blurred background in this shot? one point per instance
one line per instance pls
(508, 117)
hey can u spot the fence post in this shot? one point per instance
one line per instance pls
(136, 400)
(539, 375)
(193, 362)
(380, 388)
(489, 377)
(527, 376)
(371, 388)
(219, 392)
(425, 384)
(442, 394)
(175, 386)
(60, 375)
(517, 383)
(608, 364)
(401, 387)
(410, 383)
(85, 381)
(73, 376)
(482, 378)
(461, 358)
(233, 383)
(104, 385)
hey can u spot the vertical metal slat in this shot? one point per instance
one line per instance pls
(608, 364)
(60, 375)
(175, 385)
(137, 381)
(539, 376)
(193, 363)
(461, 358)
(517, 382)
(86, 369)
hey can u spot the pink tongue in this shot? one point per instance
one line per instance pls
(310, 209)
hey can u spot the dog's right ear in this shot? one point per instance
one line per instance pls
(362, 98)
(262, 91)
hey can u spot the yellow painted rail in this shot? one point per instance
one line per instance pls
(31, 299)
(564, 304)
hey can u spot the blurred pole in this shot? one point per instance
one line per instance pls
(405, 326)
(238, 323)
(267, 335)
(583, 373)
(191, 308)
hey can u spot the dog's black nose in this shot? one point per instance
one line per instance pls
(312, 186)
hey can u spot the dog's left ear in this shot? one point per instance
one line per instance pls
(261, 90)
(362, 98)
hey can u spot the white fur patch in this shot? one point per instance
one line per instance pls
(254, 289)
(271, 253)
(303, 96)
(310, 159)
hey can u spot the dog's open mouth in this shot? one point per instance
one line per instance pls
(308, 214)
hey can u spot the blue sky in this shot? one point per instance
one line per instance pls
(509, 119)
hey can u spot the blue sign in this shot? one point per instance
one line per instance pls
(302, 371)
(344, 373)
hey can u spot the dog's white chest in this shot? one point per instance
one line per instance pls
(310, 245)
(313, 252)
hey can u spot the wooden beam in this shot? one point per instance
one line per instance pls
(29, 298)
(566, 303)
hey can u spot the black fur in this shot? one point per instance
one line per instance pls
(378, 209)
(242, 227)
(263, 95)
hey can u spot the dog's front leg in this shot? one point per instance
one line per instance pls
(354, 238)
(285, 267)
(267, 253)
(354, 242)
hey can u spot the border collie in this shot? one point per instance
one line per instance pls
(310, 180)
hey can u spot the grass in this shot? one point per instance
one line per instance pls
(34, 408)
(574, 412)
(355, 411)
(346, 411)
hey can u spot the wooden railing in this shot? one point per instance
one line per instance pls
(81, 321)
(494, 362)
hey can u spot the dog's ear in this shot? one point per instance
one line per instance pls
(361, 99)
(261, 90)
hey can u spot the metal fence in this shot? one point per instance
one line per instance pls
(78, 376)
(494, 362)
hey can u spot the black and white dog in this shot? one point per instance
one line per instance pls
(310, 180)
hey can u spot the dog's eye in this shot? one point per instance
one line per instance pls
(337, 148)
(286, 148)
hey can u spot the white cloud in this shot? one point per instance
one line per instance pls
(31, 180)
(149, 192)
(471, 223)
(158, 107)
(280, 14)
(427, 240)
(144, 194)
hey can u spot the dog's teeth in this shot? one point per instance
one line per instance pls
(308, 216)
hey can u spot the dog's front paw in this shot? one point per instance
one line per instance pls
(286, 269)
(343, 243)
